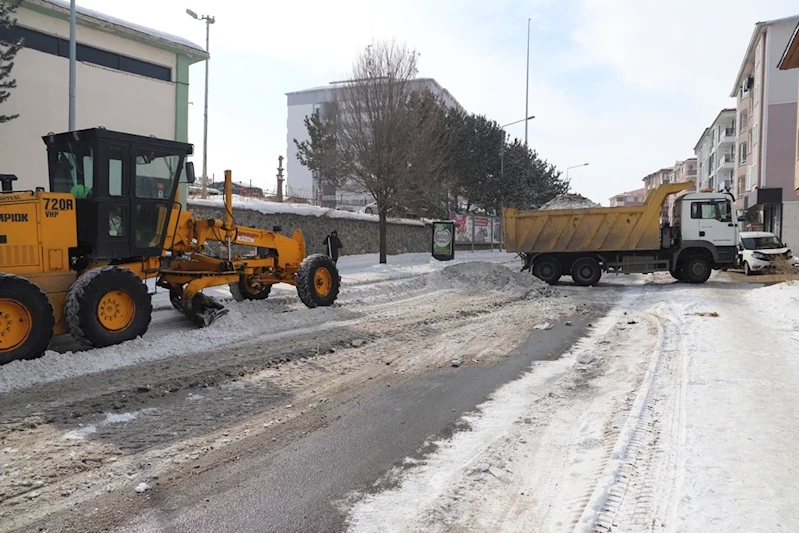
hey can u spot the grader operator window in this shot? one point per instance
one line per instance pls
(74, 171)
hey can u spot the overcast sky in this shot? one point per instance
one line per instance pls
(625, 85)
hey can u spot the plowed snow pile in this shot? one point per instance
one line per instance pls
(569, 201)
(481, 276)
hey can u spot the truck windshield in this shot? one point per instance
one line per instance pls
(762, 243)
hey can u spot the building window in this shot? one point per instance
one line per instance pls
(56, 46)
(744, 151)
(690, 166)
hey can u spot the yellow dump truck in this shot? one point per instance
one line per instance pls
(586, 242)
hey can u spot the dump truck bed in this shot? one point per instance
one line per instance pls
(589, 230)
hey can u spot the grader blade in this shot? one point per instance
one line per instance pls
(204, 310)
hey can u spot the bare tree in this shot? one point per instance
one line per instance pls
(8, 50)
(389, 140)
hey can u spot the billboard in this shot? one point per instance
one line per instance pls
(463, 228)
(443, 240)
(482, 229)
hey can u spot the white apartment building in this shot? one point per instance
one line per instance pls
(715, 153)
(301, 104)
(766, 123)
(129, 78)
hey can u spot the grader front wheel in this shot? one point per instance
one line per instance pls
(26, 319)
(317, 281)
(107, 306)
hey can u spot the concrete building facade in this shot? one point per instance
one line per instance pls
(715, 153)
(790, 61)
(629, 199)
(766, 127)
(301, 104)
(128, 78)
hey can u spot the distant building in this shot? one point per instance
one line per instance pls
(129, 78)
(655, 180)
(767, 122)
(628, 199)
(301, 104)
(684, 171)
(715, 153)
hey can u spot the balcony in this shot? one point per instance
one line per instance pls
(726, 161)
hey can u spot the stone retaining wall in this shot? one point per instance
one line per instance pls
(358, 236)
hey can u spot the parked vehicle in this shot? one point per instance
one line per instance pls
(760, 251)
(587, 242)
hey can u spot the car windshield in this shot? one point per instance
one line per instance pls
(762, 243)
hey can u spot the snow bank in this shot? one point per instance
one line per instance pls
(274, 208)
(484, 276)
(569, 201)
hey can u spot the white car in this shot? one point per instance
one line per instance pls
(758, 251)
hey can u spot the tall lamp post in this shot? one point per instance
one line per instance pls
(208, 21)
(502, 146)
(72, 53)
(527, 84)
(575, 166)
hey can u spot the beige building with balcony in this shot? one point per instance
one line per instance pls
(715, 153)
(766, 140)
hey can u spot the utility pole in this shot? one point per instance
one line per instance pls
(280, 178)
(527, 84)
(208, 21)
(72, 53)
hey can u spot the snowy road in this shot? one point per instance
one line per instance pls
(673, 412)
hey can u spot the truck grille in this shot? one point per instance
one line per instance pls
(12, 255)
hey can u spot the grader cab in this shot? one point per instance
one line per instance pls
(76, 259)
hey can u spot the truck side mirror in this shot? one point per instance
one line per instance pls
(190, 177)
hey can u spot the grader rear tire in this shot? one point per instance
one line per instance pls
(108, 305)
(26, 319)
(317, 281)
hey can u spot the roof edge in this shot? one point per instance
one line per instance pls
(99, 21)
(791, 50)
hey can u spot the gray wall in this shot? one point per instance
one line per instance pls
(357, 236)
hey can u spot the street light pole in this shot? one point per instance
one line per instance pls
(208, 21)
(527, 83)
(72, 53)
(502, 146)
(575, 166)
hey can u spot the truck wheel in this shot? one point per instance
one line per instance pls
(677, 273)
(547, 269)
(108, 305)
(697, 269)
(586, 272)
(26, 319)
(244, 290)
(317, 281)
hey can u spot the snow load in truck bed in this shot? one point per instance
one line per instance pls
(569, 201)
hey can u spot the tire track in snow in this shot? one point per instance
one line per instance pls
(625, 498)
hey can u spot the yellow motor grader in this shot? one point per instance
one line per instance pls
(75, 259)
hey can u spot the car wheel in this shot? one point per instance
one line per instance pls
(747, 270)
